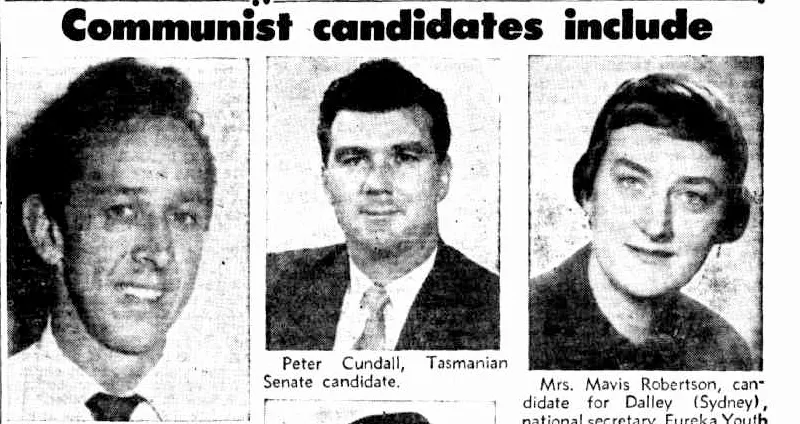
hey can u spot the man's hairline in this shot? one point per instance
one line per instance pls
(327, 132)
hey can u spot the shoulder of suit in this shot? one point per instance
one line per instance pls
(458, 263)
(288, 272)
(304, 258)
(463, 285)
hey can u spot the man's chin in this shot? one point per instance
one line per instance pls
(380, 243)
(386, 242)
(133, 341)
(384, 246)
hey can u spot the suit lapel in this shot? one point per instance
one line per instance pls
(335, 285)
(323, 300)
(429, 318)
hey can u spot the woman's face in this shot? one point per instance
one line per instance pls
(656, 206)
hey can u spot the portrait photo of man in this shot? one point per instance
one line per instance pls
(127, 230)
(655, 264)
(390, 149)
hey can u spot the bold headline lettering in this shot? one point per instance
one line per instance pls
(410, 25)
(75, 26)
(628, 28)
(415, 26)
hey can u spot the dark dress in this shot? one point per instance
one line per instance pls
(568, 331)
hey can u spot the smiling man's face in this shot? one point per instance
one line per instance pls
(134, 232)
(655, 209)
(383, 178)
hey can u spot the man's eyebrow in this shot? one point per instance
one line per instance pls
(633, 165)
(414, 146)
(349, 150)
(199, 195)
(112, 189)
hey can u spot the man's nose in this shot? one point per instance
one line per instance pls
(379, 178)
(655, 218)
(154, 247)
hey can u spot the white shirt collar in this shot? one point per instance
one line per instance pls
(72, 387)
(402, 293)
(44, 385)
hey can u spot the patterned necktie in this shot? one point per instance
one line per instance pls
(106, 407)
(374, 336)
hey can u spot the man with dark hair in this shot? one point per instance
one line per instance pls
(661, 183)
(384, 136)
(111, 196)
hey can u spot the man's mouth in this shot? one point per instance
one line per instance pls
(650, 255)
(379, 211)
(141, 292)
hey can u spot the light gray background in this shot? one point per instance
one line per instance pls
(213, 330)
(566, 94)
(298, 212)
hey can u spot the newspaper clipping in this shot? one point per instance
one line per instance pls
(398, 212)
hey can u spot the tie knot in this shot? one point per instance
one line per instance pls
(375, 299)
(106, 407)
(374, 335)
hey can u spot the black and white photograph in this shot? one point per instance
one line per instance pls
(646, 216)
(398, 211)
(279, 411)
(127, 239)
(382, 204)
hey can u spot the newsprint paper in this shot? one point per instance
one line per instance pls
(399, 212)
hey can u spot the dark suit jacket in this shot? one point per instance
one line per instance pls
(568, 331)
(457, 306)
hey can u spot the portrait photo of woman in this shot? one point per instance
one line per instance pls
(662, 187)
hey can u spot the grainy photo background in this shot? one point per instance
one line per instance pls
(212, 334)
(299, 214)
(566, 93)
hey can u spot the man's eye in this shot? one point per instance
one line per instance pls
(120, 213)
(406, 157)
(187, 219)
(350, 160)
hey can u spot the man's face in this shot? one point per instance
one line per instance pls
(656, 206)
(135, 225)
(383, 179)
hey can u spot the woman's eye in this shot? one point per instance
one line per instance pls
(695, 201)
(630, 183)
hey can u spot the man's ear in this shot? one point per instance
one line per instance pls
(588, 209)
(323, 173)
(445, 168)
(43, 232)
